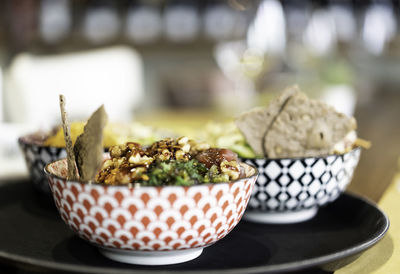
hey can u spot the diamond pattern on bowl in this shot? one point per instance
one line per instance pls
(296, 170)
(303, 195)
(273, 169)
(307, 178)
(272, 188)
(294, 188)
(308, 181)
(36, 158)
(318, 168)
(285, 179)
(325, 178)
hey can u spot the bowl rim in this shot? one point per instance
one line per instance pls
(303, 158)
(24, 140)
(49, 174)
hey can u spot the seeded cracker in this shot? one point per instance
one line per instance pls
(254, 124)
(306, 128)
(67, 137)
(88, 147)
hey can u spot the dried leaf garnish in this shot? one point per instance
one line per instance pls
(68, 141)
(88, 147)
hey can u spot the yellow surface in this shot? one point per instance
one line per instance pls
(384, 257)
(184, 122)
(114, 134)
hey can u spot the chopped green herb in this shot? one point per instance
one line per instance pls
(182, 173)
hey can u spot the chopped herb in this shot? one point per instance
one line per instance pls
(181, 173)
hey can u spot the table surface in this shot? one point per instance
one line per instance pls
(384, 257)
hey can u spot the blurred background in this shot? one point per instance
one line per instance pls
(176, 63)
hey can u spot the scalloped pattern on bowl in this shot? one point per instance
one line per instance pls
(150, 218)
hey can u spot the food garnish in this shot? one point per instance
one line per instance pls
(88, 148)
(295, 126)
(254, 123)
(225, 135)
(178, 161)
(67, 137)
(306, 128)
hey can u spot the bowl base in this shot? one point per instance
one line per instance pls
(151, 257)
(280, 217)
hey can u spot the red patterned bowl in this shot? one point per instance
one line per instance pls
(150, 225)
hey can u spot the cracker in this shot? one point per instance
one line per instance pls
(68, 141)
(88, 147)
(254, 124)
(306, 128)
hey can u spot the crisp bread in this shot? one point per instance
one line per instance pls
(68, 140)
(254, 124)
(88, 147)
(306, 128)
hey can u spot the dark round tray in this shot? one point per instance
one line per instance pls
(32, 234)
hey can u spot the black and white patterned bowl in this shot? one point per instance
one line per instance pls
(37, 156)
(291, 190)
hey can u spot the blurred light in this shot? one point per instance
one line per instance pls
(112, 77)
(240, 27)
(344, 21)
(228, 57)
(341, 97)
(101, 24)
(181, 23)
(379, 28)
(54, 20)
(237, 5)
(320, 34)
(267, 33)
(143, 24)
(219, 22)
(11, 159)
(297, 18)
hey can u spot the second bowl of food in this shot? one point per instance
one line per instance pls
(306, 153)
(157, 205)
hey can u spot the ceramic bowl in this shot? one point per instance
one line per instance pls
(292, 190)
(37, 156)
(150, 225)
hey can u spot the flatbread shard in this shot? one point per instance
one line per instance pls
(88, 148)
(68, 140)
(254, 124)
(306, 128)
